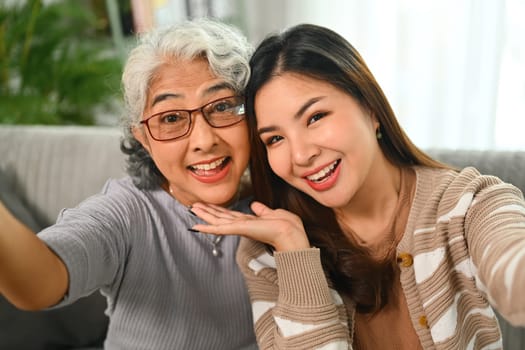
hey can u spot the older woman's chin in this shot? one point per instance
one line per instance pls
(223, 195)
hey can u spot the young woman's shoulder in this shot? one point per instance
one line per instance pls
(453, 184)
(443, 193)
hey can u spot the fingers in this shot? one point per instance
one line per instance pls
(259, 209)
(279, 228)
(215, 215)
(216, 210)
(231, 228)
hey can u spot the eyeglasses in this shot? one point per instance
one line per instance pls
(174, 124)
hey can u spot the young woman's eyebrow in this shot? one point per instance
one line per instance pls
(297, 115)
(270, 128)
(307, 105)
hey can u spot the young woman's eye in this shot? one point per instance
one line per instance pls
(316, 117)
(272, 140)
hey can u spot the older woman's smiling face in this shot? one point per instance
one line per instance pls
(207, 163)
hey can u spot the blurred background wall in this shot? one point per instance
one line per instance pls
(453, 70)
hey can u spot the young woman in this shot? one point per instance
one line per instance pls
(359, 239)
(187, 140)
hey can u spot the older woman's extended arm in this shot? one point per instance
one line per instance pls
(32, 277)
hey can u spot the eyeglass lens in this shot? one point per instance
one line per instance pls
(173, 124)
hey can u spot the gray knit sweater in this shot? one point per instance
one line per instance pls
(165, 288)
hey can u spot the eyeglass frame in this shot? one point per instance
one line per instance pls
(190, 112)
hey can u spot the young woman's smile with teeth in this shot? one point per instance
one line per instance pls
(322, 174)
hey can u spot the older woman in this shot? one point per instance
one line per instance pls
(186, 137)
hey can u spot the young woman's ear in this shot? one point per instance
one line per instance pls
(375, 123)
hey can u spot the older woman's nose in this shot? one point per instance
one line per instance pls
(202, 135)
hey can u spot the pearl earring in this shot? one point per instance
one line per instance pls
(378, 134)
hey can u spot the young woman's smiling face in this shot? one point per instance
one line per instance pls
(318, 138)
(207, 163)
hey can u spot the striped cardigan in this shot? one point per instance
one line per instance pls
(463, 250)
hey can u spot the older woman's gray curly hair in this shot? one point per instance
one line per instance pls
(227, 52)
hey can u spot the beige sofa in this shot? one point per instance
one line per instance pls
(48, 168)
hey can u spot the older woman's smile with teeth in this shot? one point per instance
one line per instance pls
(209, 166)
(213, 171)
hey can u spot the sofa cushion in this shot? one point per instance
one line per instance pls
(14, 204)
(507, 165)
(56, 167)
(81, 324)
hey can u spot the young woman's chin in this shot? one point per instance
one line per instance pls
(331, 199)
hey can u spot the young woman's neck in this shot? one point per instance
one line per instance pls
(370, 211)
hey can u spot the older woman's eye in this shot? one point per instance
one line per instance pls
(221, 107)
(172, 118)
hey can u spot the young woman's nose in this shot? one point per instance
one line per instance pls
(202, 135)
(303, 151)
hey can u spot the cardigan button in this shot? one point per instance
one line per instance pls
(405, 259)
(423, 321)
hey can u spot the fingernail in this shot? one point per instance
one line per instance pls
(191, 211)
(192, 230)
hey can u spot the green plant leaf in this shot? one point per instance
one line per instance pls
(55, 65)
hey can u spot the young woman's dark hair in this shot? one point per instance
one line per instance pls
(322, 54)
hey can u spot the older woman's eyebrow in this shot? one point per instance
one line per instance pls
(163, 97)
(218, 87)
(208, 91)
